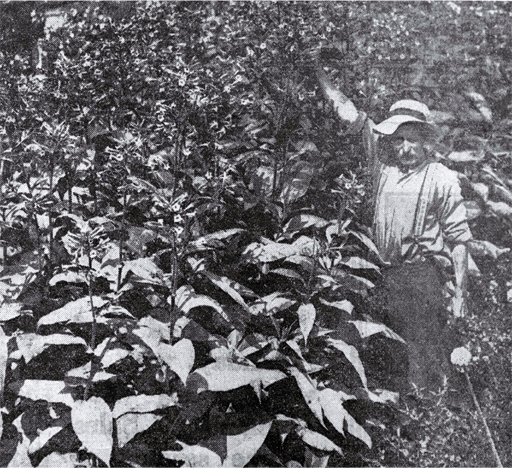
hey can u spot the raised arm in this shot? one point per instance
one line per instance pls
(356, 121)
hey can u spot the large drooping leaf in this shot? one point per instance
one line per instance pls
(52, 391)
(212, 240)
(309, 392)
(240, 448)
(31, 344)
(194, 456)
(187, 299)
(230, 287)
(68, 277)
(223, 376)
(367, 242)
(78, 311)
(142, 404)
(359, 263)
(145, 271)
(160, 328)
(10, 310)
(20, 458)
(268, 252)
(345, 305)
(81, 375)
(317, 440)
(93, 425)
(304, 221)
(130, 424)
(473, 209)
(187, 328)
(226, 451)
(500, 208)
(367, 329)
(481, 248)
(42, 439)
(352, 356)
(179, 357)
(297, 183)
(333, 410)
(60, 460)
(307, 316)
(271, 304)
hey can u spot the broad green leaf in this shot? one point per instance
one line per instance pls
(352, 356)
(187, 299)
(78, 311)
(93, 425)
(31, 344)
(240, 448)
(367, 329)
(130, 424)
(223, 376)
(345, 306)
(230, 287)
(42, 439)
(52, 391)
(142, 404)
(317, 440)
(194, 456)
(307, 316)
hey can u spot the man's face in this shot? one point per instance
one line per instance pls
(407, 144)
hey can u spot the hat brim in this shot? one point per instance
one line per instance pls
(390, 125)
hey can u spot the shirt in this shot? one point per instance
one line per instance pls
(397, 195)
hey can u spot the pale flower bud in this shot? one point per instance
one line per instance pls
(460, 357)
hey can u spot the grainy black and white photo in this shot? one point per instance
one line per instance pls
(255, 234)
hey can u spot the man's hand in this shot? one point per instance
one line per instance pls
(343, 106)
(458, 304)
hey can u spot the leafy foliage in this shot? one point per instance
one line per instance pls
(184, 272)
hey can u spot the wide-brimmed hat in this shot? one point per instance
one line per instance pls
(405, 111)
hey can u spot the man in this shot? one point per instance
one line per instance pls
(420, 229)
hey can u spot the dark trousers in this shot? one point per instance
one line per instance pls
(410, 301)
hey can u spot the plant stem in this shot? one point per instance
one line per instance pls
(174, 278)
(486, 427)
